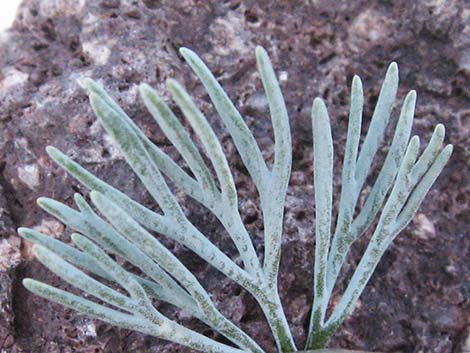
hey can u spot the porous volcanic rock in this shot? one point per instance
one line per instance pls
(418, 299)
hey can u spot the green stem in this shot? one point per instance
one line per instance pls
(272, 308)
(319, 337)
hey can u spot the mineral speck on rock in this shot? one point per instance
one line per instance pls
(29, 174)
(98, 52)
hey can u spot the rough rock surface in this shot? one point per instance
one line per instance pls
(419, 298)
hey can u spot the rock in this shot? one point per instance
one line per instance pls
(465, 347)
(316, 48)
(424, 227)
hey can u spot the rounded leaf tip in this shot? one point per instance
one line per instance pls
(96, 197)
(81, 241)
(356, 80)
(318, 103)
(393, 67)
(259, 50)
(21, 230)
(440, 129)
(392, 74)
(449, 149)
(415, 140)
(172, 83)
(51, 150)
(185, 52)
(28, 282)
(145, 87)
(42, 201)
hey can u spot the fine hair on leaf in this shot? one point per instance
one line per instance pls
(112, 227)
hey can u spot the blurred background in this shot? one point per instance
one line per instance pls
(7, 13)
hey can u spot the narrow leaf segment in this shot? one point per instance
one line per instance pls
(123, 228)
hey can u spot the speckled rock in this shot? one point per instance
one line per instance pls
(419, 298)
